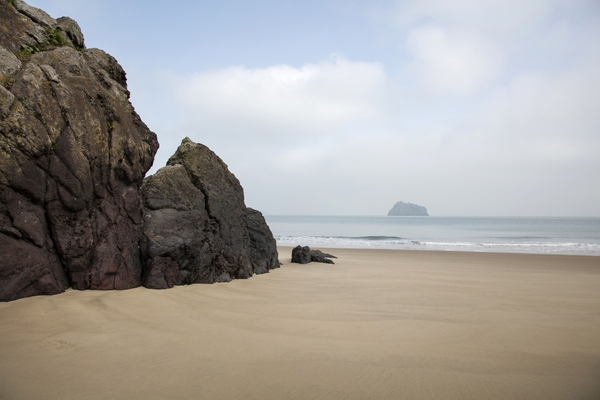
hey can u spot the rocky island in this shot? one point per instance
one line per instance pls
(407, 209)
(75, 209)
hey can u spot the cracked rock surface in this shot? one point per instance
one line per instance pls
(73, 154)
(196, 225)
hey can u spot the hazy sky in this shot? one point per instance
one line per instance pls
(467, 107)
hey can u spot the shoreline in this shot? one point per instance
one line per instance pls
(497, 253)
(377, 324)
(531, 235)
(494, 251)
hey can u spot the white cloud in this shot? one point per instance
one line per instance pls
(282, 99)
(517, 136)
(504, 19)
(545, 118)
(455, 62)
(529, 149)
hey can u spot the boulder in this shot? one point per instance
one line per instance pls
(178, 228)
(73, 154)
(301, 255)
(319, 256)
(195, 217)
(304, 255)
(72, 30)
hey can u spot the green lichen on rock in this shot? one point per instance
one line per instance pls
(26, 51)
(56, 38)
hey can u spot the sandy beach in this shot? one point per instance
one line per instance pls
(379, 324)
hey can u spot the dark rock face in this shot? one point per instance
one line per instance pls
(177, 228)
(73, 153)
(73, 156)
(319, 256)
(301, 254)
(73, 33)
(263, 247)
(20, 28)
(407, 209)
(195, 218)
(304, 255)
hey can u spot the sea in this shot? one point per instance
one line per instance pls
(538, 235)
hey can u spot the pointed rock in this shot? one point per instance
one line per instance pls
(195, 216)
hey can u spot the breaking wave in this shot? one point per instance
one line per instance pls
(394, 242)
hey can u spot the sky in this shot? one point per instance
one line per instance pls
(467, 107)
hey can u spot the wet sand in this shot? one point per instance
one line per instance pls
(379, 324)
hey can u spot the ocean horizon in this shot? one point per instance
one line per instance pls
(536, 235)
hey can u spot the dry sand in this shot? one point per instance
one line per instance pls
(377, 325)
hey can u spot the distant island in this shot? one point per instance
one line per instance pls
(408, 209)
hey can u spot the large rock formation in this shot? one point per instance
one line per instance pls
(196, 226)
(407, 209)
(73, 154)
